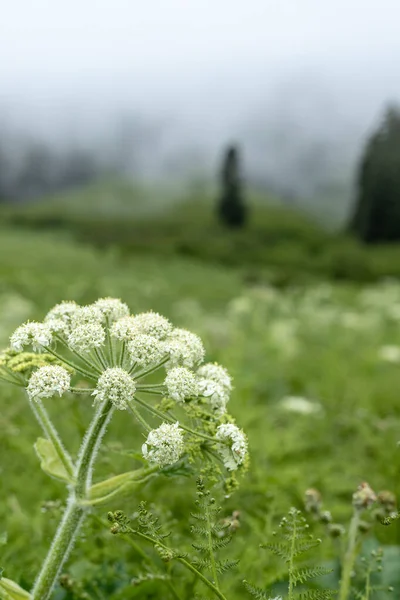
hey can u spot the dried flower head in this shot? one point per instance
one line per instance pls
(47, 381)
(232, 446)
(216, 394)
(146, 350)
(164, 445)
(115, 385)
(185, 348)
(181, 384)
(112, 308)
(86, 335)
(215, 372)
(37, 335)
(364, 497)
(313, 500)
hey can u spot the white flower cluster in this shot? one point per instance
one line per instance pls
(116, 385)
(37, 335)
(181, 384)
(146, 350)
(215, 384)
(151, 324)
(58, 319)
(164, 445)
(185, 348)
(112, 309)
(47, 381)
(233, 446)
(86, 335)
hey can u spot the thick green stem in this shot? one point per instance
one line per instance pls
(349, 558)
(75, 511)
(51, 433)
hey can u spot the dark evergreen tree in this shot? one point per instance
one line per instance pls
(376, 216)
(231, 208)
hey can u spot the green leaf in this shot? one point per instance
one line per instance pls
(118, 485)
(3, 538)
(9, 590)
(50, 462)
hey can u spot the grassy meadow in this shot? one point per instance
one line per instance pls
(307, 323)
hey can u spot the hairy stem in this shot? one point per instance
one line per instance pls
(291, 560)
(349, 558)
(75, 512)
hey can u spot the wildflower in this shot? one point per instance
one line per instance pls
(164, 445)
(62, 311)
(364, 496)
(216, 373)
(86, 314)
(233, 448)
(115, 385)
(112, 308)
(297, 404)
(47, 381)
(124, 328)
(151, 323)
(185, 348)
(216, 394)
(87, 335)
(37, 335)
(181, 384)
(146, 350)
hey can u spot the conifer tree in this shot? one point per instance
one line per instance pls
(231, 208)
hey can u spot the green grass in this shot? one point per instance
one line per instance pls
(318, 341)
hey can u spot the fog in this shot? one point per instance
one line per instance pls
(298, 83)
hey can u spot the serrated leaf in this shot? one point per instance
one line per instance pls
(258, 593)
(50, 462)
(9, 590)
(115, 486)
(303, 575)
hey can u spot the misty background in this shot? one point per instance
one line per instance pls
(155, 91)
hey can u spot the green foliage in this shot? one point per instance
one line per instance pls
(294, 540)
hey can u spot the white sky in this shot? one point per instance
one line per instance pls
(187, 53)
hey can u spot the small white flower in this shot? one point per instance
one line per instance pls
(62, 312)
(233, 448)
(47, 381)
(112, 308)
(124, 328)
(297, 404)
(216, 394)
(146, 350)
(164, 445)
(32, 334)
(181, 384)
(86, 314)
(151, 323)
(87, 335)
(115, 384)
(390, 354)
(216, 373)
(185, 348)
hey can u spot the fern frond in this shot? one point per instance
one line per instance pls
(278, 549)
(257, 592)
(305, 547)
(226, 565)
(313, 595)
(304, 575)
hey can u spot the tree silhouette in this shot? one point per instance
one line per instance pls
(231, 208)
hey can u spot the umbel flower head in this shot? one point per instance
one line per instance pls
(115, 385)
(37, 335)
(112, 308)
(233, 448)
(58, 319)
(181, 384)
(123, 361)
(48, 381)
(146, 350)
(164, 445)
